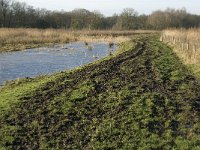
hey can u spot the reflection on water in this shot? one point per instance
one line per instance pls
(33, 62)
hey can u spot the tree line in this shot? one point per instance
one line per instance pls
(14, 14)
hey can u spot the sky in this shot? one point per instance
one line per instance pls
(109, 7)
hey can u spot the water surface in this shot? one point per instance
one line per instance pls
(47, 60)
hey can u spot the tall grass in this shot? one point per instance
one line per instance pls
(186, 43)
(33, 36)
(16, 39)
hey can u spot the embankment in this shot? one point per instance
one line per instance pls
(142, 97)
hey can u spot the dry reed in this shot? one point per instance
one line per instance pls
(17, 39)
(186, 43)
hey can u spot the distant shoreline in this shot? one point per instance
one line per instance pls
(12, 39)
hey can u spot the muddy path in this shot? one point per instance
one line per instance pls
(142, 98)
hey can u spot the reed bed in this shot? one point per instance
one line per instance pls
(186, 43)
(113, 33)
(18, 39)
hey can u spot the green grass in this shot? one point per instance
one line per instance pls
(142, 97)
(10, 94)
(13, 91)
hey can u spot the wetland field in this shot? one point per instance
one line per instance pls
(51, 59)
(141, 96)
(111, 75)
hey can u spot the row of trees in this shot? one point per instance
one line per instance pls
(17, 14)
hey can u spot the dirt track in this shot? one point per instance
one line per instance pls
(143, 98)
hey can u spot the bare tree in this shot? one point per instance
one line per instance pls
(17, 14)
(4, 6)
(127, 19)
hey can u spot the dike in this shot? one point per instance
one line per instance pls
(142, 97)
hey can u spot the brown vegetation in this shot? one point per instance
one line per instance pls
(19, 39)
(186, 43)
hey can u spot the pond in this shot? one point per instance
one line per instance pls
(47, 60)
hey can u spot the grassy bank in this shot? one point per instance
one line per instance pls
(20, 39)
(143, 97)
(185, 44)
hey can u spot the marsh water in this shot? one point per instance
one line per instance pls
(47, 60)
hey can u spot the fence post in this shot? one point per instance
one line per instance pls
(174, 41)
(161, 38)
(187, 47)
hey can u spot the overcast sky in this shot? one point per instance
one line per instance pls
(109, 7)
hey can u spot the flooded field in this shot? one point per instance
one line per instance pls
(46, 60)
